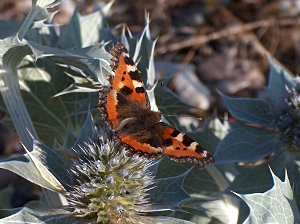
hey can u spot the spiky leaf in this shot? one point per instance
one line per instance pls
(30, 167)
(246, 144)
(278, 80)
(249, 110)
(39, 216)
(276, 205)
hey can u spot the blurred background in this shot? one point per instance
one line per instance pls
(204, 45)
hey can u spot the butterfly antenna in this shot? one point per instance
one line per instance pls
(175, 115)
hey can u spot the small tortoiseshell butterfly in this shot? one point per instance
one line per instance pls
(125, 108)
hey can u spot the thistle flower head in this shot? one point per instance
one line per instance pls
(287, 120)
(109, 186)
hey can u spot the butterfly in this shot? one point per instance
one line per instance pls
(125, 108)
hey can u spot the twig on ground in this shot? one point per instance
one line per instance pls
(229, 31)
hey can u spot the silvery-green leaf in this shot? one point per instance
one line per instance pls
(258, 178)
(90, 102)
(40, 216)
(201, 181)
(88, 132)
(249, 110)
(246, 144)
(16, 108)
(220, 209)
(279, 78)
(163, 220)
(87, 60)
(41, 51)
(78, 88)
(6, 44)
(91, 63)
(44, 35)
(83, 31)
(43, 170)
(205, 185)
(276, 205)
(37, 13)
(94, 65)
(27, 167)
(212, 179)
(12, 51)
(50, 115)
(169, 190)
(46, 3)
(8, 28)
(53, 162)
(144, 54)
(41, 166)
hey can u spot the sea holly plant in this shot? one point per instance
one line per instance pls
(270, 123)
(267, 133)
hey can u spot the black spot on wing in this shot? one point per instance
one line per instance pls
(126, 90)
(167, 142)
(121, 100)
(128, 61)
(154, 142)
(124, 73)
(175, 133)
(135, 75)
(187, 141)
(199, 149)
(140, 89)
(123, 78)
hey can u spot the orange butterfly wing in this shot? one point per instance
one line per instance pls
(147, 149)
(126, 89)
(181, 148)
(127, 79)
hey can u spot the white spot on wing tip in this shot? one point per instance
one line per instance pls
(194, 145)
(179, 137)
(131, 68)
(136, 84)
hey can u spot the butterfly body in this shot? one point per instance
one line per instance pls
(126, 109)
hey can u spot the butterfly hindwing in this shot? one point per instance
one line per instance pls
(181, 148)
(148, 149)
